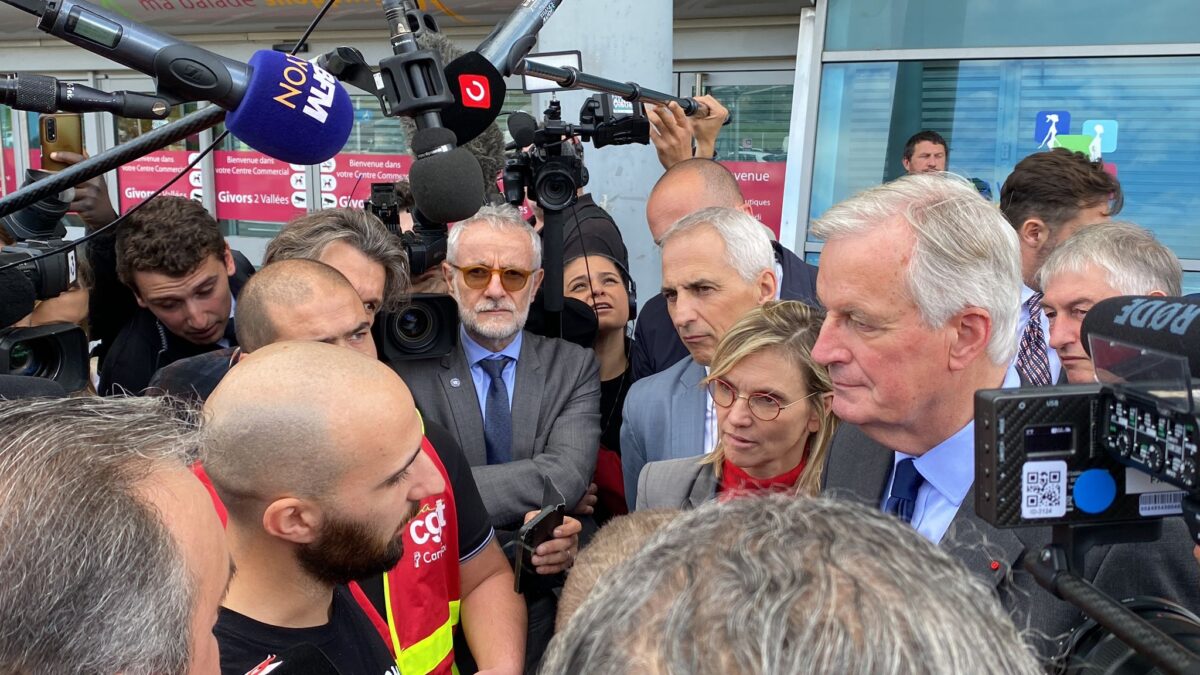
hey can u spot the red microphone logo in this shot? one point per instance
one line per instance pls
(475, 91)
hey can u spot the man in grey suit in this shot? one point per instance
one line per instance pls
(920, 278)
(523, 408)
(717, 265)
(538, 416)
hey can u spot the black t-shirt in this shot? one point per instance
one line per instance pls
(349, 640)
(612, 401)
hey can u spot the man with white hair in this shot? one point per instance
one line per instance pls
(523, 408)
(113, 559)
(775, 585)
(717, 264)
(1097, 263)
(920, 278)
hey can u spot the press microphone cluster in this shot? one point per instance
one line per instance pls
(278, 104)
(44, 94)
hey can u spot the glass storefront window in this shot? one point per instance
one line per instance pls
(138, 179)
(994, 113)
(950, 24)
(11, 183)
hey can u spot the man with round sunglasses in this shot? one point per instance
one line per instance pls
(524, 409)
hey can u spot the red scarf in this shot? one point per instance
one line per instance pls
(735, 482)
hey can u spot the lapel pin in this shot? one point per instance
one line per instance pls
(455, 382)
(995, 565)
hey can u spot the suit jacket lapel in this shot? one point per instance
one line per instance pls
(704, 488)
(459, 389)
(688, 410)
(858, 467)
(978, 545)
(527, 398)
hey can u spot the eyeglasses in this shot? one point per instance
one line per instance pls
(479, 276)
(763, 406)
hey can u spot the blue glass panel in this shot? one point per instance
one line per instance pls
(930, 24)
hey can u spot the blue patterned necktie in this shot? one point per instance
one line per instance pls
(905, 484)
(1033, 365)
(497, 417)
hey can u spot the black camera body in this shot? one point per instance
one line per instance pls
(426, 327)
(552, 171)
(1082, 454)
(51, 275)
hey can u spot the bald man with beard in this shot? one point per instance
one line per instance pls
(316, 498)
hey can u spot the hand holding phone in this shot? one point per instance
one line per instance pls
(538, 530)
(60, 132)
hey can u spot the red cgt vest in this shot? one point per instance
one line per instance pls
(422, 592)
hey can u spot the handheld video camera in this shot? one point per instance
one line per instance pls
(1102, 464)
(552, 171)
(427, 326)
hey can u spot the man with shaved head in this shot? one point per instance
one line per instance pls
(315, 499)
(287, 300)
(307, 300)
(688, 187)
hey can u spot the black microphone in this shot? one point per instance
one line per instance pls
(181, 69)
(1161, 323)
(278, 104)
(44, 94)
(506, 46)
(446, 180)
(303, 659)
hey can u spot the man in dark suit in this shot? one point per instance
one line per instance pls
(1048, 197)
(687, 187)
(920, 278)
(523, 408)
(184, 277)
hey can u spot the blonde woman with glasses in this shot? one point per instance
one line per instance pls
(773, 415)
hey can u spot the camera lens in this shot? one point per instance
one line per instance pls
(555, 188)
(28, 360)
(413, 328)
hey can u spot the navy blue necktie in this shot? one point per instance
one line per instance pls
(905, 483)
(497, 417)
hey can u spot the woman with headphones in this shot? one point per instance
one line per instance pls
(595, 271)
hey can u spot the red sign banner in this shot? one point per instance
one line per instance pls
(762, 187)
(138, 179)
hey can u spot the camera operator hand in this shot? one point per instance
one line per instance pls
(707, 128)
(91, 196)
(671, 132)
(558, 554)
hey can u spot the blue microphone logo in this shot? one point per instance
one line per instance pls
(320, 94)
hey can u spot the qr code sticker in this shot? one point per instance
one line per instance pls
(1044, 490)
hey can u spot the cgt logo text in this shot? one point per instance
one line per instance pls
(320, 94)
(428, 526)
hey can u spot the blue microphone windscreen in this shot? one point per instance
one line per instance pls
(292, 110)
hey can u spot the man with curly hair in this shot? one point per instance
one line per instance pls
(171, 254)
